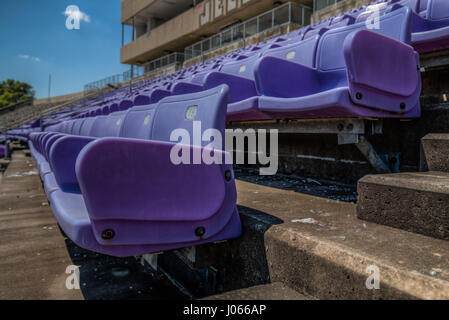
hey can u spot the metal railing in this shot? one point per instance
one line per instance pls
(175, 58)
(15, 106)
(44, 115)
(115, 79)
(288, 13)
(321, 4)
(134, 72)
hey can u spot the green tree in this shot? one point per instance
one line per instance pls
(12, 91)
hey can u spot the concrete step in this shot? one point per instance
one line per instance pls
(270, 291)
(436, 151)
(416, 202)
(319, 248)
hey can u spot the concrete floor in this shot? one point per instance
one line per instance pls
(318, 247)
(322, 249)
(34, 254)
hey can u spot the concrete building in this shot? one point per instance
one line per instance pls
(161, 27)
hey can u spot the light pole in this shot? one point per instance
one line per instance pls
(49, 87)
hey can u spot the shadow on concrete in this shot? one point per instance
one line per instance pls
(104, 277)
(224, 266)
(242, 262)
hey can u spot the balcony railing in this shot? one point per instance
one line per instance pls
(321, 4)
(288, 13)
(115, 79)
(175, 58)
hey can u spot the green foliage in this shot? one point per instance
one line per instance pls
(12, 91)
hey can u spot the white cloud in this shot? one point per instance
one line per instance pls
(75, 13)
(28, 57)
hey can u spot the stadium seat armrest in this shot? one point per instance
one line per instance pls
(379, 63)
(285, 79)
(62, 158)
(131, 179)
(240, 88)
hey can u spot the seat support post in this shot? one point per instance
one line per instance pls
(367, 149)
(151, 259)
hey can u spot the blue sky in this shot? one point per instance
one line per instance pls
(35, 43)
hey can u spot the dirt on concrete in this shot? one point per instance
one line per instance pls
(317, 187)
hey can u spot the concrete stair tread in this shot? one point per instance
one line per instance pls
(417, 201)
(322, 249)
(270, 291)
(433, 181)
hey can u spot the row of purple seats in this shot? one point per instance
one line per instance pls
(347, 71)
(23, 132)
(239, 69)
(430, 27)
(114, 189)
(355, 73)
(430, 21)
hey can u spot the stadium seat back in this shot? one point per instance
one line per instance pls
(99, 127)
(137, 122)
(77, 126)
(342, 20)
(113, 107)
(302, 52)
(330, 57)
(243, 68)
(67, 127)
(86, 127)
(114, 124)
(105, 110)
(207, 108)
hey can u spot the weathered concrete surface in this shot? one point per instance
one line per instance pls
(416, 202)
(326, 256)
(436, 151)
(271, 291)
(34, 254)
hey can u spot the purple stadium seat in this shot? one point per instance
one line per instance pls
(77, 126)
(133, 199)
(151, 96)
(431, 25)
(126, 103)
(239, 74)
(105, 110)
(137, 122)
(86, 126)
(358, 73)
(113, 107)
(341, 20)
